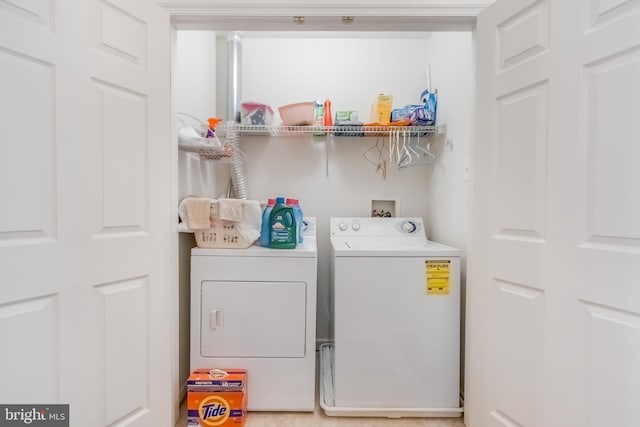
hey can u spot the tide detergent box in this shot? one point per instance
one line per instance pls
(217, 398)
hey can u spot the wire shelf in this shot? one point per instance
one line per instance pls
(340, 131)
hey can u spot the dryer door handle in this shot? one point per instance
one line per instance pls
(216, 319)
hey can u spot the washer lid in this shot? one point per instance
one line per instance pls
(377, 247)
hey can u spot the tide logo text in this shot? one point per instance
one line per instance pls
(214, 410)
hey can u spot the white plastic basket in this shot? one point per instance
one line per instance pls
(221, 235)
(225, 234)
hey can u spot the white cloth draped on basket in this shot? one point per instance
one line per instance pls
(198, 212)
(247, 211)
(231, 209)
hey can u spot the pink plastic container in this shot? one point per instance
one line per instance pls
(298, 114)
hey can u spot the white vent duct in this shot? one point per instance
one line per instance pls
(234, 77)
(234, 96)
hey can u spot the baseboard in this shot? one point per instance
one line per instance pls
(182, 393)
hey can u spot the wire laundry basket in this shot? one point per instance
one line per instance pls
(192, 137)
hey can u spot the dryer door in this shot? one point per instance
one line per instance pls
(252, 319)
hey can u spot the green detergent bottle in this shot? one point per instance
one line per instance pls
(283, 227)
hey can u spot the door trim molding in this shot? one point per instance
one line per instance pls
(401, 16)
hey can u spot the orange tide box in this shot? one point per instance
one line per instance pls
(217, 398)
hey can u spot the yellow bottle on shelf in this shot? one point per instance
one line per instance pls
(381, 109)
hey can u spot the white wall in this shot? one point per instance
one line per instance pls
(453, 73)
(351, 71)
(194, 89)
(195, 94)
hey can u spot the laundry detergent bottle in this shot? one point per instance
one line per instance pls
(283, 226)
(265, 234)
(298, 214)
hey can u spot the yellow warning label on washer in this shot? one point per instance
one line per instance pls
(437, 273)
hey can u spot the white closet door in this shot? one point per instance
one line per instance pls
(553, 326)
(85, 222)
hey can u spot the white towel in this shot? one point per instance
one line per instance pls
(231, 209)
(249, 228)
(198, 212)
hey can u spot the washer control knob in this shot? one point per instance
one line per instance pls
(342, 226)
(409, 226)
(355, 226)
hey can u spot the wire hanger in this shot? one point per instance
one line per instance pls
(383, 156)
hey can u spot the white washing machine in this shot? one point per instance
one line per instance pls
(396, 299)
(255, 309)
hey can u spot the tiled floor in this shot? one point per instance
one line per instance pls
(318, 419)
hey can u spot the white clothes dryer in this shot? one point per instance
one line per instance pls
(255, 309)
(396, 301)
